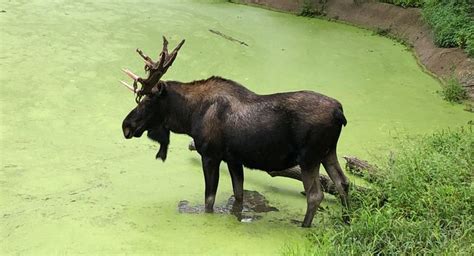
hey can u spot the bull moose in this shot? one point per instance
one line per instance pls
(230, 123)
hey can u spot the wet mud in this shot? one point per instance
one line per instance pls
(254, 203)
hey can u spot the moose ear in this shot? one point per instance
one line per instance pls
(159, 89)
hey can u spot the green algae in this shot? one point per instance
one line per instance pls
(70, 183)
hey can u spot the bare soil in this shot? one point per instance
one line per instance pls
(405, 24)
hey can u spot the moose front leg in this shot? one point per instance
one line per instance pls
(237, 174)
(210, 167)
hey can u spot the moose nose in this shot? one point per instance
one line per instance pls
(127, 132)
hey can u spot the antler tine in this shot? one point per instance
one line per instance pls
(131, 74)
(173, 54)
(178, 47)
(161, 63)
(148, 61)
(165, 45)
(163, 54)
(128, 86)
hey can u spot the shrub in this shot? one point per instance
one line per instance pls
(451, 22)
(312, 9)
(428, 204)
(466, 39)
(405, 3)
(453, 91)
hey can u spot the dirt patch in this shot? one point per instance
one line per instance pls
(403, 23)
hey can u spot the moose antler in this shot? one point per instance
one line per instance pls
(155, 70)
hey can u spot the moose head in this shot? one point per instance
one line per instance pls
(144, 116)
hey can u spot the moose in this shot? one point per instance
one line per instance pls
(230, 123)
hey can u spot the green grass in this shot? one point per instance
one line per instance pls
(423, 204)
(452, 24)
(451, 20)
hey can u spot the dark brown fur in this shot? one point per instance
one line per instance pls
(230, 123)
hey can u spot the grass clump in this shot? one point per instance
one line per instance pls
(423, 204)
(312, 8)
(405, 3)
(453, 91)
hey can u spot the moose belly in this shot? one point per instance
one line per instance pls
(272, 155)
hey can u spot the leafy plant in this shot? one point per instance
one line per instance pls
(312, 9)
(452, 21)
(453, 91)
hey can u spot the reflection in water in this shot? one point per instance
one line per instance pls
(254, 202)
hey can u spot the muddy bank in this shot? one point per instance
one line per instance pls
(403, 23)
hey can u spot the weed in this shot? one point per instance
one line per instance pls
(453, 91)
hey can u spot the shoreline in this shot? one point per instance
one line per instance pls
(405, 25)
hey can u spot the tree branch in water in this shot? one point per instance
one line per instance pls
(228, 37)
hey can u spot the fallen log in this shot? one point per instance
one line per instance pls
(295, 173)
(362, 168)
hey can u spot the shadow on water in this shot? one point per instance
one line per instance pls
(253, 204)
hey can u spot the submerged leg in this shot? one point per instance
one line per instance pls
(237, 174)
(334, 170)
(211, 175)
(314, 193)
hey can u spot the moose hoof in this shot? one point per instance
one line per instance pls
(306, 225)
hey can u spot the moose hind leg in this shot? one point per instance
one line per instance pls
(314, 192)
(334, 170)
(237, 174)
(211, 176)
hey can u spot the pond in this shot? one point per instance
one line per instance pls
(70, 182)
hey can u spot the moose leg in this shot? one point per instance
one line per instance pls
(314, 193)
(211, 175)
(237, 174)
(331, 164)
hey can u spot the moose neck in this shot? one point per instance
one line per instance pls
(181, 105)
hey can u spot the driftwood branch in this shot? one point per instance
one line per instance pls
(228, 37)
(326, 183)
(362, 168)
(295, 173)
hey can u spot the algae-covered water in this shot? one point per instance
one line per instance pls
(71, 184)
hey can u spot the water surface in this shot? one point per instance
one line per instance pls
(70, 183)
